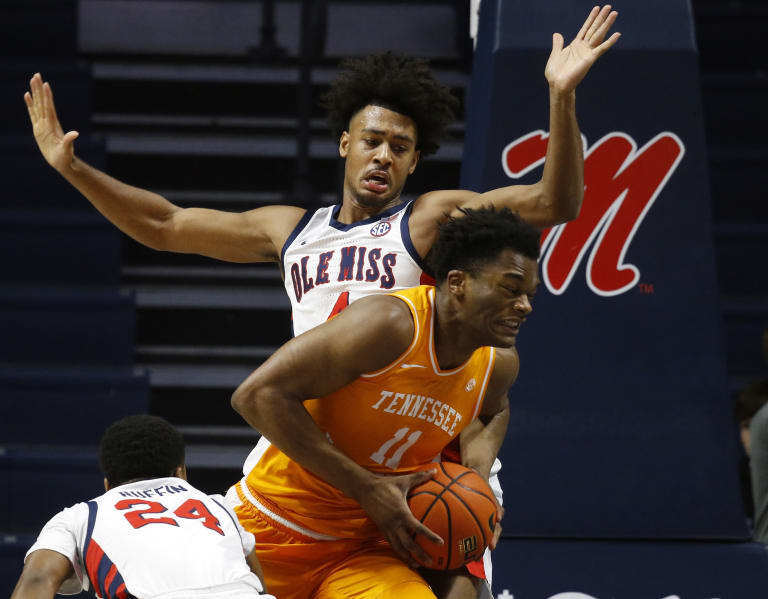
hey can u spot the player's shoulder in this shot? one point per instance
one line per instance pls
(381, 310)
(439, 203)
(506, 366)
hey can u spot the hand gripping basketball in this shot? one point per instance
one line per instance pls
(458, 505)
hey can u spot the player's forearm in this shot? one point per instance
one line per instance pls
(290, 428)
(562, 182)
(139, 213)
(480, 443)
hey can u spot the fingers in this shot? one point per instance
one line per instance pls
(50, 107)
(413, 549)
(603, 48)
(34, 93)
(557, 43)
(599, 33)
(69, 138)
(592, 14)
(417, 528)
(30, 106)
(597, 22)
(419, 477)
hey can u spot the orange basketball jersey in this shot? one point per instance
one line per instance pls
(391, 421)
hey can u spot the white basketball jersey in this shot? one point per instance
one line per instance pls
(328, 264)
(153, 537)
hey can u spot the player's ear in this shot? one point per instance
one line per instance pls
(344, 144)
(106, 484)
(181, 472)
(414, 161)
(456, 282)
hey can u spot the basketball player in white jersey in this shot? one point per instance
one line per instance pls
(388, 112)
(151, 534)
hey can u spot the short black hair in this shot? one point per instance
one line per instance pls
(399, 83)
(749, 401)
(140, 447)
(477, 237)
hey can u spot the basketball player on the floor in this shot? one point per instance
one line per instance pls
(388, 112)
(356, 404)
(151, 534)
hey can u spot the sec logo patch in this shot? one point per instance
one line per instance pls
(380, 229)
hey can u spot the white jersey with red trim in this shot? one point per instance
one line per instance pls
(328, 264)
(153, 538)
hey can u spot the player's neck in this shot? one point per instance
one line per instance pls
(354, 210)
(453, 346)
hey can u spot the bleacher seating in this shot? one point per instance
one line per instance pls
(613, 459)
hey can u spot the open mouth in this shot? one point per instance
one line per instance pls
(377, 181)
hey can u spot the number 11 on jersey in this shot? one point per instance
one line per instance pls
(393, 462)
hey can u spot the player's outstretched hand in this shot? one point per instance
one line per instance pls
(567, 66)
(56, 146)
(385, 502)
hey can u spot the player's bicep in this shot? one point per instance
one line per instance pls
(45, 571)
(254, 236)
(505, 371)
(367, 336)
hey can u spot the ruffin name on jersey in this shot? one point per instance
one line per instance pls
(351, 262)
(156, 492)
(424, 408)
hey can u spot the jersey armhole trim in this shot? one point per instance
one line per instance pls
(407, 352)
(300, 226)
(484, 386)
(405, 233)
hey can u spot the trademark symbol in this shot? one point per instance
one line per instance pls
(645, 288)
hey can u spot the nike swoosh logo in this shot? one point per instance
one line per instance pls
(413, 366)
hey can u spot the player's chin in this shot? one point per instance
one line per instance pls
(504, 341)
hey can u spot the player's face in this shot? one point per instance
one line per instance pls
(380, 152)
(498, 298)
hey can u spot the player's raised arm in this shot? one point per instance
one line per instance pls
(44, 572)
(369, 335)
(149, 218)
(557, 197)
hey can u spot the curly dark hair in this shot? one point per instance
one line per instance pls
(477, 237)
(398, 83)
(140, 447)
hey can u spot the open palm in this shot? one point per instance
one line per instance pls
(567, 66)
(56, 146)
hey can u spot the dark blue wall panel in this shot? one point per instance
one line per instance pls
(620, 424)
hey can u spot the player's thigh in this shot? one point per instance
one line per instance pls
(291, 566)
(373, 574)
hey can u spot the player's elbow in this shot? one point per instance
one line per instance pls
(560, 205)
(166, 232)
(241, 399)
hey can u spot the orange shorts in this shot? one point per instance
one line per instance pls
(299, 567)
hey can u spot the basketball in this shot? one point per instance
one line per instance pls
(458, 505)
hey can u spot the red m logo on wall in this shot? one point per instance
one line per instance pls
(621, 183)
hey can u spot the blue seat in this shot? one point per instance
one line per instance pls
(66, 325)
(59, 248)
(39, 481)
(29, 184)
(67, 405)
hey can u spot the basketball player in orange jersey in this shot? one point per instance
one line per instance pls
(388, 112)
(354, 406)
